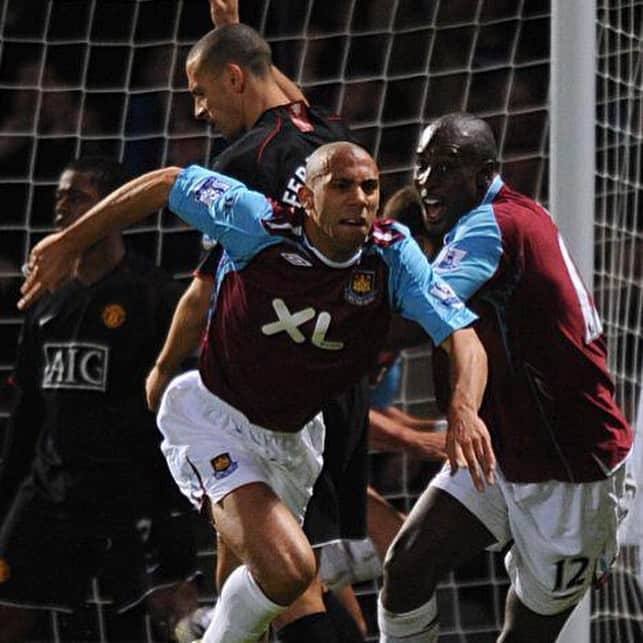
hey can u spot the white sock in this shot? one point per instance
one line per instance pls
(243, 612)
(417, 626)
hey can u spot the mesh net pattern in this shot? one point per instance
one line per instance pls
(98, 76)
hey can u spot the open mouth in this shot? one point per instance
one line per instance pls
(355, 222)
(434, 209)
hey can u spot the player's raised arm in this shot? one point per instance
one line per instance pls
(53, 259)
(467, 435)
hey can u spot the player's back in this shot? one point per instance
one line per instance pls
(551, 389)
(270, 158)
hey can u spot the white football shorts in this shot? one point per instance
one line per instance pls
(564, 534)
(213, 449)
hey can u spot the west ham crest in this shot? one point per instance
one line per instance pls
(360, 290)
(223, 465)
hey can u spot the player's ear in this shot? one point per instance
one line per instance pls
(485, 176)
(305, 195)
(236, 77)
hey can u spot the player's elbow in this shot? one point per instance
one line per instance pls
(168, 176)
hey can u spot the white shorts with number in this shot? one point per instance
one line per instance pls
(564, 535)
(213, 449)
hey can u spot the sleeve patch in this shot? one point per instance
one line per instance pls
(212, 188)
(449, 259)
(444, 293)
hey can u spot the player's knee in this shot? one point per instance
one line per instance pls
(409, 579)
(290, 575)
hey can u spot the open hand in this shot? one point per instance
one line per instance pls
(224, 12)
(468, 439)
(50, 264)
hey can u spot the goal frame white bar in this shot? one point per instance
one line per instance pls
(572, 166)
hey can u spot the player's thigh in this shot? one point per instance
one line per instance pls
(522, 625)
(263, 533)
(564, 538)
(440, 533)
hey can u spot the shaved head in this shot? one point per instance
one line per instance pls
(470, 134)
(320, 162)
(341, 197)
(455, 166)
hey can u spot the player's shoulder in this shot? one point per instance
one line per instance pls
(152, 283)
(284, 221)
(142, 270)
(520, 217)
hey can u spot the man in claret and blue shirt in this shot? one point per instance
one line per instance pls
(559, 437)
(302, 309)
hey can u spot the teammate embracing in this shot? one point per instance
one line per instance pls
(560, 439)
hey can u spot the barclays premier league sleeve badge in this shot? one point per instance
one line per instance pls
(210, 190)
(445, 294)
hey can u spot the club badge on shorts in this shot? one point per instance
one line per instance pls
(360, 289)
(223, 465)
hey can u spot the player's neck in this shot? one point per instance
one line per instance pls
(100, 260)
(262, 95)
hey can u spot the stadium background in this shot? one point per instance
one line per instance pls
(107, 76)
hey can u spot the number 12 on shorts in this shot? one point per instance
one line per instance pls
(571, 573)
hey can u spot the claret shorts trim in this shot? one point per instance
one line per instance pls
(213, 449)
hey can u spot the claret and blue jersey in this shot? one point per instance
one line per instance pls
(290, 327)
(549, 402)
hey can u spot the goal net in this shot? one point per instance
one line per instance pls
(105, 76)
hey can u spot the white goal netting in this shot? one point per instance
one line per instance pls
(106, 76)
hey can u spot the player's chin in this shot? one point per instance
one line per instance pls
(353, 235)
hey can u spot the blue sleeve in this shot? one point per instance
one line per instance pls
(222, 208)
(417, 293)
(471, 254)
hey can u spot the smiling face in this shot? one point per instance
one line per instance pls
(75, 194)
(453, 171)
(216, 97)
(341, 197)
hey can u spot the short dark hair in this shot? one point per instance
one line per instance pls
(479, 140)
(105, 173)
(235, 43)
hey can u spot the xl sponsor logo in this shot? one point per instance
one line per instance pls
(75, 365)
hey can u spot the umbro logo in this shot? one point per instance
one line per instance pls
(296, 260)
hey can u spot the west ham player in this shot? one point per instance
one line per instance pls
(97, 498)
(272, 130)
(560, 439)
(302, 308)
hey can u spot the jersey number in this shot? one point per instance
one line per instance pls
(593, 326)
(290, 322)
(570, 573)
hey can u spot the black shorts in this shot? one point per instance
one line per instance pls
(337, 509)
(51, 552)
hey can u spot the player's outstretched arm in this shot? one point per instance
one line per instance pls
(467, 435)
(226, 12)
(182, 340)
(52, 260)
(388, 434)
